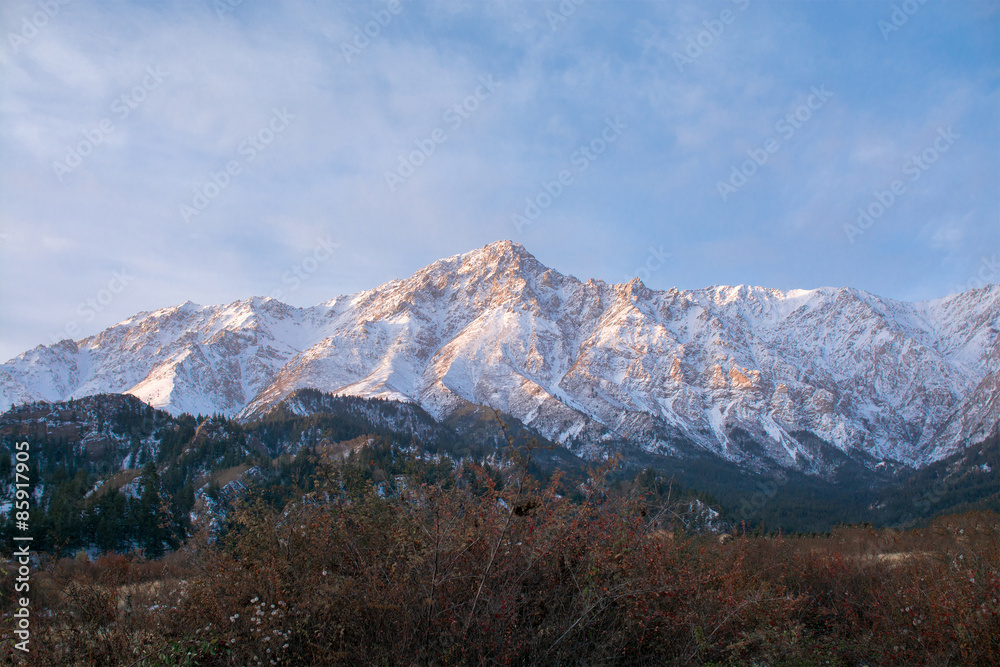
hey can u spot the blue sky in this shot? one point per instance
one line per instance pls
(152, 153)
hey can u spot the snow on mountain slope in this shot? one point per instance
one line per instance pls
(579, 361)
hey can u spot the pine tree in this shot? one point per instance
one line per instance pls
(155, 516)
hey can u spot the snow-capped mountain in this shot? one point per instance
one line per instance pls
(742, 372)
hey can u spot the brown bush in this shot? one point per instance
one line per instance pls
(522, 576)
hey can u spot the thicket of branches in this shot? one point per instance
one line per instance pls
(505, 570)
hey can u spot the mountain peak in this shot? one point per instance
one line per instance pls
(504, 252)
(505, 247)
(495, 327)
(500, 258)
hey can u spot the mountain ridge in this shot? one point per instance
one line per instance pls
(585, 363)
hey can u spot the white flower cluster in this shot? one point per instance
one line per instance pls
(261, 612)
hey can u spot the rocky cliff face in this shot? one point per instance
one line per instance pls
(739, 371)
